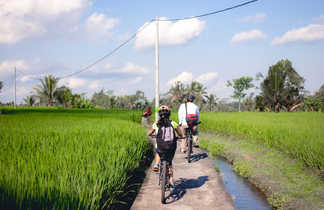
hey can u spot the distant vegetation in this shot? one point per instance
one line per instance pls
(67, 159)
(281, 89)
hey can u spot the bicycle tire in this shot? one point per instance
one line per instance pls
(163, 180)
(189, 149)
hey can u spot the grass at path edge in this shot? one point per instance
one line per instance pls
(286, 183)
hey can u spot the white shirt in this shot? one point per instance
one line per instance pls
(191, 109)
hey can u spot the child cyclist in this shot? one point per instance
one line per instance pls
(166, 141)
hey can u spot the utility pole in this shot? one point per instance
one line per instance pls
(157, 97)
(15, 90)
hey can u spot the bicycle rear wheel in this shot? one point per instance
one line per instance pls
(189, 149)
(163, 180)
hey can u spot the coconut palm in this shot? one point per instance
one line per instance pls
(211, 101)
(47, 88)
(30, 100)
(63, 95)
(199, 91)
(177, 93)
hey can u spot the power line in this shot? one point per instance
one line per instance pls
(110, 53)
(211, 13)
(141, 29)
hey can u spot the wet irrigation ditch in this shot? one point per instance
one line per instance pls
(244, 194)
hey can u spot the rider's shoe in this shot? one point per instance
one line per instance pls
(171, 186)
(156, 167)
(196, 144)
(183, 150)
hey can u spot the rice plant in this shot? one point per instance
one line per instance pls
(58, 159)
(300, 135)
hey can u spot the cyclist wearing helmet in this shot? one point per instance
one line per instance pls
(188, 116)
(166, 142)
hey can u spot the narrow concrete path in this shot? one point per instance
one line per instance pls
(198, 186)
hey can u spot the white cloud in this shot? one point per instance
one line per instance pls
(257, 18)
(73, 82)
(14, 29)
(187, 77)
(248, 36)
(136, 80)
(7, 67)
(41, 7)
(98, 25)
(211, 80)
(183, 77)
(321, 17)
(170, 33)
(312, 32)
(220, 88)
(94, 84)
(27, 78)
(22, 19)
(206, 78)
(22, 91)
(130, 68)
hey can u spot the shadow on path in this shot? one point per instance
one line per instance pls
(181, 188)
(197, 157)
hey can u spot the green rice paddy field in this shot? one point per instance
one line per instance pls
(57, 159)
(300, 135)
(81, 159)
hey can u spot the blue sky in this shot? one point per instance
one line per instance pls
(60, 37)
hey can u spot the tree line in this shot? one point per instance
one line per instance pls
(282, 89)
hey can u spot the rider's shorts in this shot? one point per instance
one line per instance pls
(194, 130)
(166, 155)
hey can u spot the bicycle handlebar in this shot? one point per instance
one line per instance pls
(154, 136)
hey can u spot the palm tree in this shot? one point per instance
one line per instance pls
(63, 95)
(177, 93)
(1, 85)
(198, 90)
(47, 89)
(30, 100)
(211, 101)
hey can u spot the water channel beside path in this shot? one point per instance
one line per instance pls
(245, 195)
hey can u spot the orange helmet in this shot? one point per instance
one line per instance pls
(164, 111)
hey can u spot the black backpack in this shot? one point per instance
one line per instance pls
(166, 138)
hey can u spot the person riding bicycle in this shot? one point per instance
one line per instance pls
(166, 140)
(188, 115)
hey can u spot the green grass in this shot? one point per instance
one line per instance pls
(286, 182)
(67, 159)
(300, 135)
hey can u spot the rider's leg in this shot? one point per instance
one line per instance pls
(170, 158)
(157, 160)
(183, 141)
(195, 135)
(183, 145)
(171, 175)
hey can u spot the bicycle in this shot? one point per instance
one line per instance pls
(189, 143)
(164, 178)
